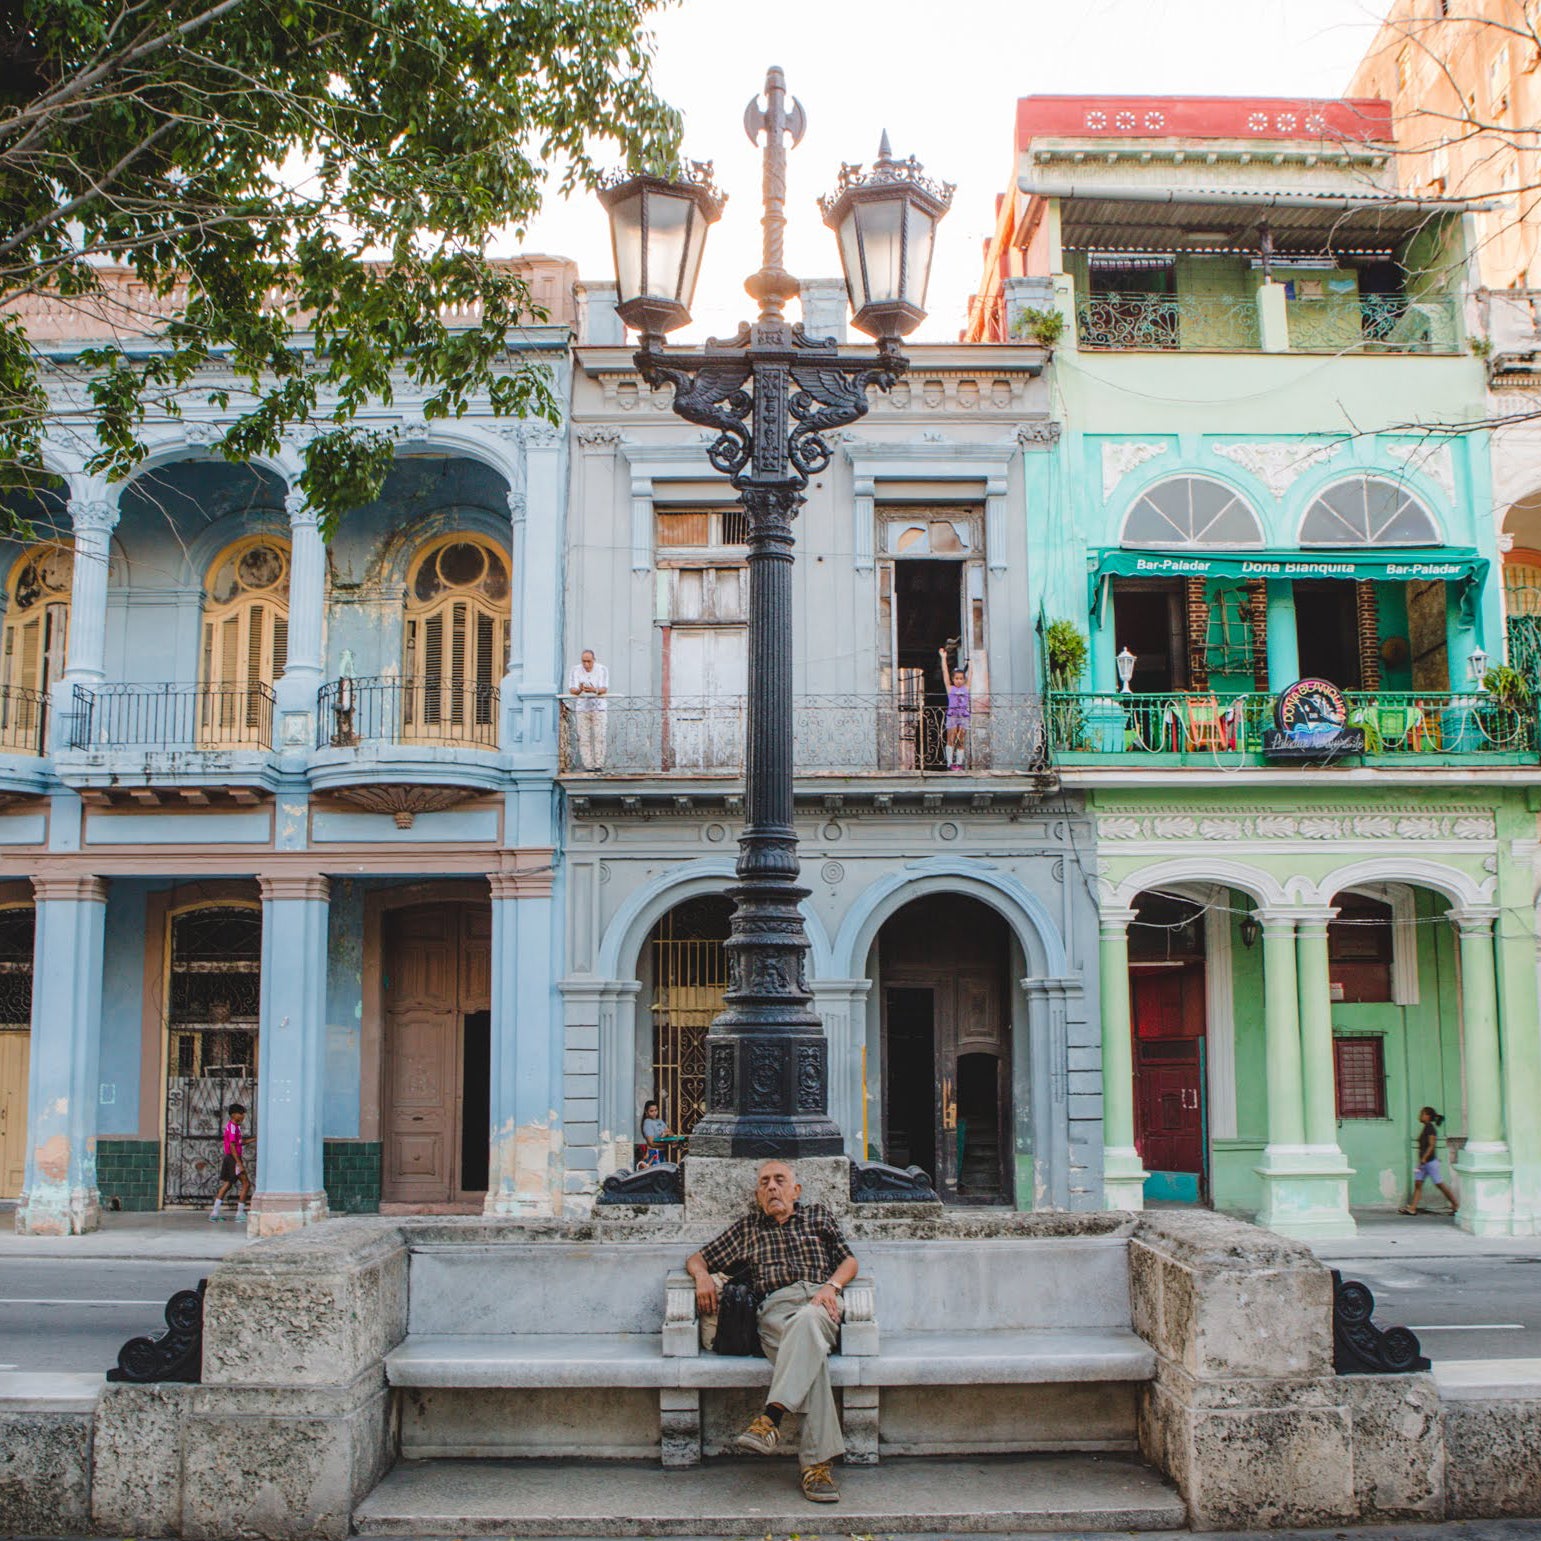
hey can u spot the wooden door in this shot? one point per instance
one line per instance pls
(1169, 1070)
(708, 680)
(15, 1057)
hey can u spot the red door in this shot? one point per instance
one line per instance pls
(1169, 1069)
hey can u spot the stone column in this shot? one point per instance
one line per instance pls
(842, 1006)
(1485, 1168)
(93, 521)
(1283, 641)
(1321, 1185)
(1123, 1173)
(525, 1165)
(290, 1192)
(1304, 1175)
(60, 1195)
(539, 532)
(302, 676)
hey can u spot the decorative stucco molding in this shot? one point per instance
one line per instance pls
(1430, 460)
(1277, 464)
(1468, 827)
(1043, 434)
(1124, 456)
(404, 801)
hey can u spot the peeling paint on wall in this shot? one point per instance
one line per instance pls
(525, 1168)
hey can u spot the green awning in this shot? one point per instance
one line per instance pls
(1386, 564)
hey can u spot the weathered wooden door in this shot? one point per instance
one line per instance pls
(437, 961)
(15, 1057)
(708, 678)
(1168, 1012)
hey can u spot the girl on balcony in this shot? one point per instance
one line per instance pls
(960, 709)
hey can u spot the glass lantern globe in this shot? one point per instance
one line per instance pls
(886, 221)
(658, 232)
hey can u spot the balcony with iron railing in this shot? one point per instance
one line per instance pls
(1198, 323)
(23, 739)
(436, 730)
(170, 735)
(1194, 728)
(872, 736)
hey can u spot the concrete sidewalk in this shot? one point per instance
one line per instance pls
(170, 1235)
(1434, 1235)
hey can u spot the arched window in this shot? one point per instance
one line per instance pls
(245, 639)
(37, 623)
(456, 640)
(1192, 511)
(1368, 511)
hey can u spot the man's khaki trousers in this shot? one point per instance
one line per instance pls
(798, 1338)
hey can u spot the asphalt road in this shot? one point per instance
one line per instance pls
(75, 1314)
(1473, 1308)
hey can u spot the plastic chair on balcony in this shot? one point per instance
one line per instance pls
(1204, 725)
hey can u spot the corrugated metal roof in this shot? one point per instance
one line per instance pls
(1300, 219)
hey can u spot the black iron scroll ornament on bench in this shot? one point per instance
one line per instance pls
(173, 1355)
(1359, 1347)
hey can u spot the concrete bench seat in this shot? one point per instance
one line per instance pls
(985, 1358)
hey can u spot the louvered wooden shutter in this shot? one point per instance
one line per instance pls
(485, 629)
(280, 644)
(457, 664)
(433, 667)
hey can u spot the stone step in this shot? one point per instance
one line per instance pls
(977, 1495)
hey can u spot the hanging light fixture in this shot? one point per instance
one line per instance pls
(1476, 667)
(1250, 929)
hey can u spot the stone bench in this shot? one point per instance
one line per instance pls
(948, 1347)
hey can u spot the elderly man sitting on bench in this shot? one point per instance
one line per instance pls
(799, 1264)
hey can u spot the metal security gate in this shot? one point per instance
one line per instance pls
(690, 975)
(212, 1000)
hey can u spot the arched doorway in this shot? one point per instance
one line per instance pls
(684, 973)
(436, 1114)
(1167, 1019)
(213, 998)
(16, 942)
(946, 1046)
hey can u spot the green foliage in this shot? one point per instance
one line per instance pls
(1481, 346)
(305, 189)
(1044, 326)
(1066, 648)
(1507, 687)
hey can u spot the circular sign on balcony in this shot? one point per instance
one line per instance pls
(1311, 722)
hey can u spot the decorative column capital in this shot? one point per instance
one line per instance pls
(75, 888)
(300, 512)
(516, 506)
(1277, 922)
(1314, 920)
(530, 876)
(294, 885)
(98, 515)
(1113, 921)
(1475, 919)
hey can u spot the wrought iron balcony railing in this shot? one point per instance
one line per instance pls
(1168, 321)
(186, 717)
(1372, 323)
(834, 735)
(23, 720)
(432, 710)
(1394, 723)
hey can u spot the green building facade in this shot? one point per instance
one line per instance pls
(1270, 609)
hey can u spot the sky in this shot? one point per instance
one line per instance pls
(943, 77)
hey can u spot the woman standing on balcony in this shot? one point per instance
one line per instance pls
(960, 709)
(589, 684)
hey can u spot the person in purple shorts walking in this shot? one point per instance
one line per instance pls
(960, 709)
(1427, 1169)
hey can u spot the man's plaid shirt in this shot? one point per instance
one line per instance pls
(807, 1248)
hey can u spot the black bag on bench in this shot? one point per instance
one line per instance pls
(738, 1319)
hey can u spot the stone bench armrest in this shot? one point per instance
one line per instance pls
(682, 1332)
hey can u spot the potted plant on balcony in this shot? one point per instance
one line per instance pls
(1065, 649)
(1507, 717)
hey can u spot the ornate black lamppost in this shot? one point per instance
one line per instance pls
(770, 392)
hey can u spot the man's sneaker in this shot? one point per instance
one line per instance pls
(819, 1484)
(761, 1437)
